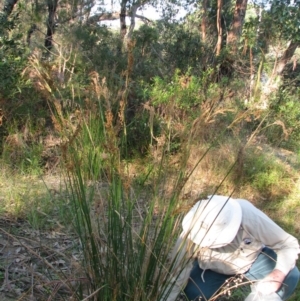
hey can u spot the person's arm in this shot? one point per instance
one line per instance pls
(271, 235)
(271, 283)
(181, 270)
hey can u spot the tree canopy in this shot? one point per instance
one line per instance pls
(50, 47)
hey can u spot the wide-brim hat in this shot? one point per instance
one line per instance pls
(213, 222)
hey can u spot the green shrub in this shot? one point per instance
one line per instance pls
(285, 119)
(182, 90)
(22, 155)
(137, 140)
(265, 173)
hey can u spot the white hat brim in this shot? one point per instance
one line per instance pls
(214, 234)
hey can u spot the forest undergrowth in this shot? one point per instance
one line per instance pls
(106, 142)
(47, 219)
(88, 203)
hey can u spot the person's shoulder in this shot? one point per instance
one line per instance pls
(252, 215)
(249, 212)
(245, 205)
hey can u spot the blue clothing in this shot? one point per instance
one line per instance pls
(263, 265)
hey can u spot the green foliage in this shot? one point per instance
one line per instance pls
(12, 58)
(146, 52)
(249, 35)
(23, 155)
(266, 174)
(136, 140)
(91, 146)
(285, 129)
(108, 107)
(181, 47)
(182, 90)
(286, 18)
(27, 196)
(264, 180)
(99, 49)
(144, 37)
(26, 159)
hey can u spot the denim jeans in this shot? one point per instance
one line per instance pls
(263, 265)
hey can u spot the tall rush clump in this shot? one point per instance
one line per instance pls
(125, 237)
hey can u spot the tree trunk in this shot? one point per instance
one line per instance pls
(219, 27)
(286, 56)
(52, 6)
(204, 21)
(30, 31)
(275, 79)
(127, 34)
(123, 27)
(237, 24)
(9, 6)
(132, 21)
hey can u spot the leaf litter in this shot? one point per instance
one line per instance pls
(37, 265)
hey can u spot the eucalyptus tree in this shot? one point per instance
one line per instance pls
(121, 10)
(52, 8)
(235, 31)
(46, 16)
(65, 13)
(285, 26)
(279, 30)
(221, 21)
